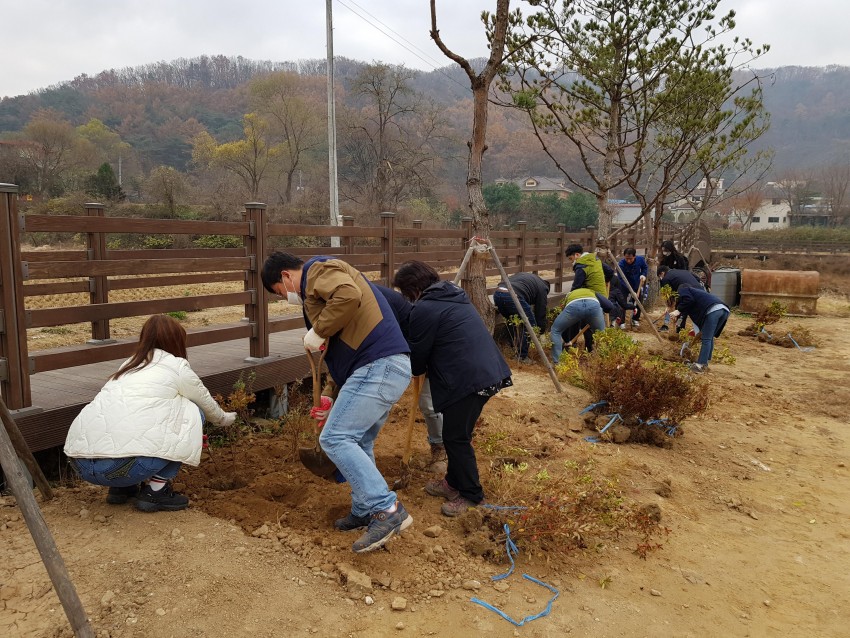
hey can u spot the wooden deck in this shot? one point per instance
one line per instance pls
(58, 396)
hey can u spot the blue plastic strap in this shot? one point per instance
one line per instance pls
(806, 349)
(511, 549)
(490, 506)
(593, 406)
(592, 439)
(614, 418)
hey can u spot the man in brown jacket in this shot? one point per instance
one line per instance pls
(368, 360)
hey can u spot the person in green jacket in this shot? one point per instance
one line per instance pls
(582, 306)
(589, 272)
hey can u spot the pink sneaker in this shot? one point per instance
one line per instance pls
(440, 487)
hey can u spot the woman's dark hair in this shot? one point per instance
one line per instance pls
(159, 332)
(413, 277)
(630, 251)
(668, 245)
(274, 264)
(572, 249)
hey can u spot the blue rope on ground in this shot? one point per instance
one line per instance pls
(511, 549)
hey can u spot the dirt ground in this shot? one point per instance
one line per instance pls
(757, 509)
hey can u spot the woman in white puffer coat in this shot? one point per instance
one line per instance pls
(145, 422)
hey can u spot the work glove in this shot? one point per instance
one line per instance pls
(228, 419)
(313, 342)
(675, 314)
(321, 412)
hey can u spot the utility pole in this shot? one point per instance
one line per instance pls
(332, 173)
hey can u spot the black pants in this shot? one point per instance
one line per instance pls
(458, 422)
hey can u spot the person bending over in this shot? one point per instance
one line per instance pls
(367, 357)
(449, 341)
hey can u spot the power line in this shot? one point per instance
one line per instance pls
(402, 44)
(434, 62)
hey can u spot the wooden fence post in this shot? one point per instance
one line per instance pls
(258, 311)
(521, 244)
(14, 359)
(388, 248)
(535, 258)
(417, 241)
(98, 285)
(506, 244)
(559, 258)
(347, 243)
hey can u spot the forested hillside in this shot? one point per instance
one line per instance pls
(180, 128)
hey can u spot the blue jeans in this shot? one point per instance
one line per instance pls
(357, 416)
(579, 311)
(507, 308)
(433, 420)
(124, 472)
(711, 328)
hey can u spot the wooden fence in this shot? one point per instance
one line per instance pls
(98, 269)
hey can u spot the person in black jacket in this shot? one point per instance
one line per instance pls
(449, 341)
(672, 258)
(532, 292)
(401, 308)
(676, 279)
(709, 314)
(621, 302)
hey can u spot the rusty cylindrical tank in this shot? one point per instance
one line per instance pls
(795, 289)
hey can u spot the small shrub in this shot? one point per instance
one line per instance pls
(180, 315)
(158, 241)
(561, 507)
(218, 241)
(239, 401)
(635, 386)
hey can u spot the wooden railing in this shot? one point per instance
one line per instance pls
(98, 270)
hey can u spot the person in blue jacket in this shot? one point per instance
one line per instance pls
(449, 341)
(635, 269)
(708, 313)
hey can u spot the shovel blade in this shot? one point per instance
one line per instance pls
(315, 460)
(404, 480)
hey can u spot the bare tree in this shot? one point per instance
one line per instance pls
(291, 104)
(745, 205)
(835, 180)
(49, 151)
(497, 27)
(387, 153)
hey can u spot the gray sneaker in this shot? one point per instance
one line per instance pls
(351, 522)
(382, 527)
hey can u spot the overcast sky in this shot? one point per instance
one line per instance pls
(50, 41)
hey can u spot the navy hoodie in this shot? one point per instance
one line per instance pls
(450, 342)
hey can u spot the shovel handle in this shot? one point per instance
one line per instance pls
(414, 400)
(581, 332)
(316, 370)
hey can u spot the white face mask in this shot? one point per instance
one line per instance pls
(666, 253)
(294, 298)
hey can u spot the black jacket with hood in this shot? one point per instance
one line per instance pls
(450, 342)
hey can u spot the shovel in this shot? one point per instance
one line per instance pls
(314, 458)
(404, 480)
